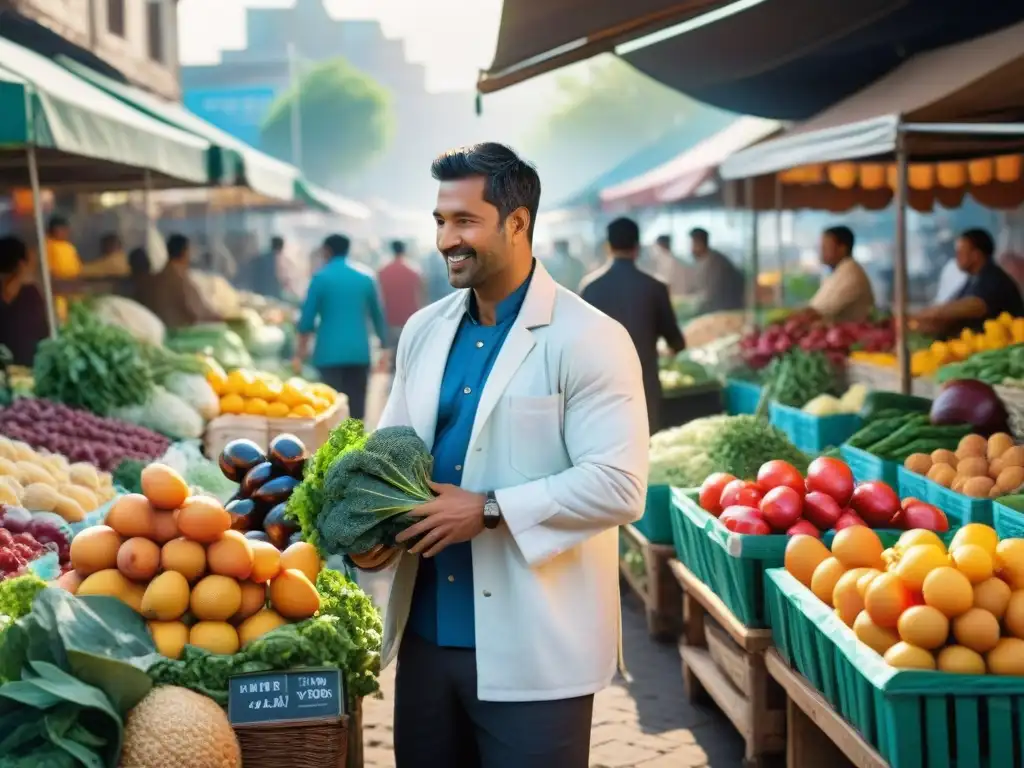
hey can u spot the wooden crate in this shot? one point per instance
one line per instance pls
(312, 432)
(817, 734)
(653, 583)
(723, 660)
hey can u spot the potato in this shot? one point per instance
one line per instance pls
(943, 474)
(972, 445)
(1010, 479)
(942, 456)
(995, 467)
(999, 444)
(1014, 457)
(972, 466)
(918, 463)
(958, 484)
(978, 487)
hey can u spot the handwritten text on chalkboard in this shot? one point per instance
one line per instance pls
(286, 696)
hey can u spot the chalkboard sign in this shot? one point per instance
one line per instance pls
(284, 697)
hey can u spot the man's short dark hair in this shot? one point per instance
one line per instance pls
(623, 235)
(337, 245)
(138, 261)
(13, 252)
(843, 236)
(509, 181)
(665, 242)
(398, 248)
(277, 243)
(57, 222)
(110, 242)
(177, 247)
(699, 235)
(980, 240)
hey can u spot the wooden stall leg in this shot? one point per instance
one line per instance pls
(664, 606)
(692, 638)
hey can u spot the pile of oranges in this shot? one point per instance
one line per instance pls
(921, 604)
(254, 393)
(174, 559)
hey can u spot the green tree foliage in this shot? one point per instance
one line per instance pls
(604, 111)
(346, 118)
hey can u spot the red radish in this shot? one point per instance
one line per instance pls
(876, 502)
(821, 510)
(710, 498)
(781, 507)
(740, 519)
(740, 493)
(927, 516)
(805, 528)
(831, 476)
(776, 472)
(848, 518)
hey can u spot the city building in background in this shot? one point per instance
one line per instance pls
(138, 38)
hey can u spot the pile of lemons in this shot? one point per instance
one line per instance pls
(255, 393)
(921, 604)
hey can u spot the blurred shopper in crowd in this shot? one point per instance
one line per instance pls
(670, 269)
(342, 301)
(716, 277)
(140, 271)
(61, 254)
(171, 294)
(640, 302)
(845, 294)
(112, 261)
(988, 292)
(263, 271)
(564, 267)
(23, 321)
(401, 286)
(435, 274)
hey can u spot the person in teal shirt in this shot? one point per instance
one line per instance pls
(341, 303)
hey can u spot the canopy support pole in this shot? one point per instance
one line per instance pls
(780, 256)
(44, 257)
(900, 264)
(755, 266)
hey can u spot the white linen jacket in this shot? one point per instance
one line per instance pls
(561, 437)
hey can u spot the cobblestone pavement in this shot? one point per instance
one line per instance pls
(645, 724)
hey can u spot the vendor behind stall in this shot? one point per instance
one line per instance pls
(171, 294)
(112, 262)
(845, 294)
(988, 292)
(23, 322)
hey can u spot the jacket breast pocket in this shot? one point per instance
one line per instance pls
(536, 445)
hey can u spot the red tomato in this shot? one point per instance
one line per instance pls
(921, 515)
(831, 476)
(910, 500)
(776, 472)
(876, 502)
(804, 527)
(741, 519)
(899, 520)
(821, 510)
(848, 518)
(781, 507)
(740, 493)
(710, 498)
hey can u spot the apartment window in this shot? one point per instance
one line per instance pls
(155, 30)
(115, 17)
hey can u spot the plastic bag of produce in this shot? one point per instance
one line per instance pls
(132, 316)
(167, 414)
(196, 391)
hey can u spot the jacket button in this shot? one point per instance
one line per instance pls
(486, 593)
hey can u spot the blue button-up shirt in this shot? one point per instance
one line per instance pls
(442, 603)
(341, 303)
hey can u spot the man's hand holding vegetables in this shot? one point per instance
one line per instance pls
(533, 404)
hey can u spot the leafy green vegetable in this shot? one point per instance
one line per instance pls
(798, 377)
(92, 366)
(742, 444)
(346, 634)
(128, 475)
(369, 490)
(17, 594)
(307, 499)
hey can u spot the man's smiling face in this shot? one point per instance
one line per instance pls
(470, 233)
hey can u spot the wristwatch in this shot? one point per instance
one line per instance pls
(492, 512)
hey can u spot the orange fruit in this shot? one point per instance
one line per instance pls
(977, 630)
(232, 403)
(903, 655)
(302, 412)
(804, 554)
(974, 562)
(846, 598)
(909, 539)
(923, 626)
(980, 535)
(879, 639)
(1009, 562)
(1014, 617)
(857, 547)
(825, 578)
(917, 562)
(885, 600)
(993, 595)
(960, 661)
(869, 575)
(948, 590)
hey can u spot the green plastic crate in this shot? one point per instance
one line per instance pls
(813, 434)
(866, 466)
(1008, 522)
(959, 509)
(731, 564)
(656, 525)
(914, 719)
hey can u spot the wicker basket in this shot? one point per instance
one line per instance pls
(313, 745)
(1013, 399)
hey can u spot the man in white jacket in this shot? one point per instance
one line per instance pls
(504, 609)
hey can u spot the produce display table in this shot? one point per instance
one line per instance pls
(684, 405)
(724, 659)
(817, 735)
(645, 568)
